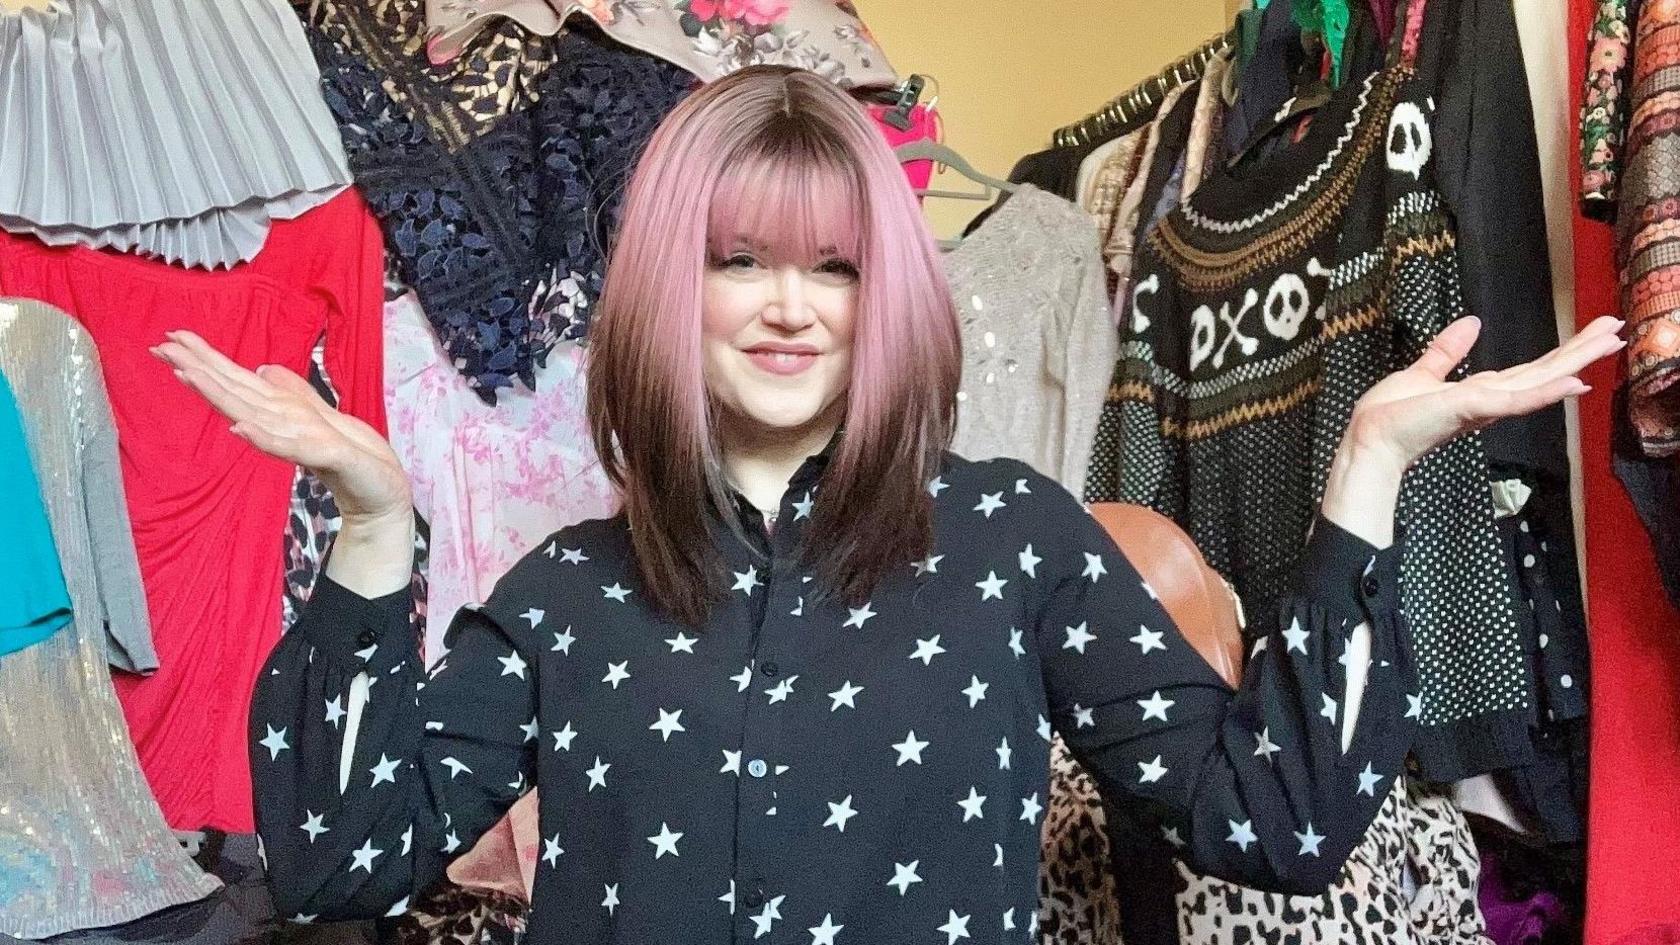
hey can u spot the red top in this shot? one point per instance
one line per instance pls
(208, 510)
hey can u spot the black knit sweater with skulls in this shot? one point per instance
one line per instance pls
(1261, 309)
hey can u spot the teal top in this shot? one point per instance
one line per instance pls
(34, 603)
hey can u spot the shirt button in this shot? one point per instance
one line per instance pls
(753, 899)
(1370, 585)
(757, 768)
(769, 668)
(367, 638)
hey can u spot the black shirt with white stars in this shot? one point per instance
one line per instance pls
(805, 772)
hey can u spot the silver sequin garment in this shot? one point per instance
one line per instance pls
(82, 841)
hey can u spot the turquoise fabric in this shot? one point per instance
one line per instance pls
(34, 603)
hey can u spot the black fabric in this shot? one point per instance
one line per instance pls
(904, 738)
(1653, 484)
(1265, 81)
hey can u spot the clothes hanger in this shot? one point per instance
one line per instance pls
(929, 150)
(1143, 97)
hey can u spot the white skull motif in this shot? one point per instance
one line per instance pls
(1201, 335)
(1151, 285)
(1286, 306)
(1409, 143)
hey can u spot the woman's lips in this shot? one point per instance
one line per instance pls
(782, 363)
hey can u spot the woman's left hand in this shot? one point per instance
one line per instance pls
(1413, 411)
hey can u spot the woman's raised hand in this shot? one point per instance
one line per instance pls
(280, 414)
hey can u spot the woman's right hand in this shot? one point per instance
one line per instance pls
(277, 412)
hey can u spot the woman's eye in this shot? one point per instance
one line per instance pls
(740, 261)
(838, 267)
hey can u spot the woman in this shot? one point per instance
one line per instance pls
(802, 688)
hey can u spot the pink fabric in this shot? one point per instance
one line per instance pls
(924, 124)
(492, 481)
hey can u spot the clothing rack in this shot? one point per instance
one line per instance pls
(1145, 95)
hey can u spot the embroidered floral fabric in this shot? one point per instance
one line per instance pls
(498, 216)
(1604, 107)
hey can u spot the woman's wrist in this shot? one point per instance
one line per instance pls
(1363, 489)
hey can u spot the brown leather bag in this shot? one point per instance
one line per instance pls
(1194, 595)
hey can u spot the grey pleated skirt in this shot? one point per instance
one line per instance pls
(174, 128)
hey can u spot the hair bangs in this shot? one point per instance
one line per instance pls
(796, 204)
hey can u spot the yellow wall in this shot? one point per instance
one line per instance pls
(1010, 73)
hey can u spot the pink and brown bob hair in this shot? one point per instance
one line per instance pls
(786, 158)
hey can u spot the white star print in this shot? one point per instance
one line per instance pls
(512, 665)
(335, 711)
(859, 615)
(598, 774)
(903, 875)
(451, 843)
(1170, 834)
(955, 927)
(563, 642)
(1242, 834)
(572, 556)
(1309, 841)
(976, 690)
(397, 908)
(1021, 487)
(563, 738)
(1009, 920)
(937, 486)
(668, 723)
(1082, 717)
(1093, 567)
(455, 766)
(1368, 781)
(839, 813)
(746, 580)
(971, 807)
(1414, 706)
(530, 729)
(363, 655)
(551, 850)
(1151, 771)
(275, 742)
(928, 565)
(1029, 562)
(742, 679)
(1043, 728)
(824, 934)
(1155, 707)
(767, 917)
(1295, 638)
(844, 696)
(617, 673)
(781, 690)
(802, 508)
(997, 855)
(611, 902)
(408, 839)
(616, 591)
(312, 825)
(302, 919)
(1015, 643)
(682, 643)
(991, 587)
(1003, 753)
(533, 615)
(665, 841)
(385, 770)
(1077, 637)
(364, 856)
(731, 763)
(1150, 591)
(909, 750)
(1329, 710)
(1148, 639)
(729, 897)
(926, 650)
(1031, 808)
(1263, 744)
(799, 608)
(990, 503)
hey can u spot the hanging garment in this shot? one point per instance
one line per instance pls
(1038, 347)
(1605, 110)
(82, 842)
(490, 481)
(1256, 321)
(207, 507)
(175, 129)
(708, 38)
(500, 222)
(34, 603)
(1647, 221)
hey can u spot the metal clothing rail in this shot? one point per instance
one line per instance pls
(1146, 95)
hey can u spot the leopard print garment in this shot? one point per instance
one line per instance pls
(1369, 905)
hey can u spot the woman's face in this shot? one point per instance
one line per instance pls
(778, 340)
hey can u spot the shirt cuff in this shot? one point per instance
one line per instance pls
(349, 629)
(1348, 575)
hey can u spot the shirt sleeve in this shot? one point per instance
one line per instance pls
(438, 757)
(1251, 785)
